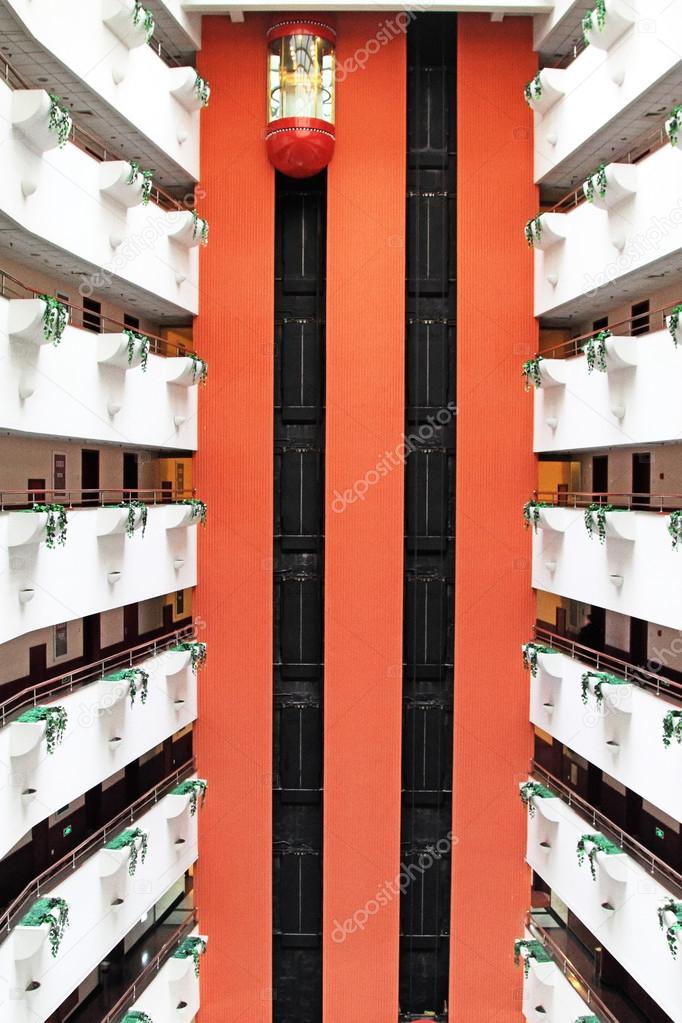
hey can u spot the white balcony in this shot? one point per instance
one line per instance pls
(634, 572)
(548, 996)
(57, 196)
(102, 910)
(91, 572)
(81, 389)
(104, 731)
(169, 988)
(620, 906)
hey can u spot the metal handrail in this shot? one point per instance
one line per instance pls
(151, 969)
(91, 144)
(67, 864)
(89, 498)
(588, 995)
(639, 676)
(660, 503)
(573, 347)
(10, 288)
(662, 871)
(70, 681)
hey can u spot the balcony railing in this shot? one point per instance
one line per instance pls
(62, 868)
(85, 319)
(661, 503)
(657, 684)
(572, 974)
(656, 320)
(70, 681)
(661, 871)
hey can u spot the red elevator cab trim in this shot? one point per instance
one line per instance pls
(495, 471)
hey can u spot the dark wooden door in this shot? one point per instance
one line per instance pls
(641, 477)
(91, 638)
(130, 473)
(600, 475)
(90, 475)
(130, 624)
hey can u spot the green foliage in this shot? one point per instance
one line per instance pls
(54, 319)
(531, 372)
(55, 719)
(146, 175)
(52, 911)
(531, 790)
(533, 230)
(141, 13)
(137, 679)
(588, 1019)
(199, 231)
(675, 528)
(202, 90)
(133, 338)
(133, 506)
(595, 350)
(531, 513)
(129, 838)
(534, 950)
(197, 652)
(596, 180)
(193, 788)
(673, 124)
(533, 89)
(674, 321)
(597, 843)
(588, 24)
(55, 527)
(595, 516)
(603, 678)
(530, 653)
(135, 1016)
(199, 508)
(671, 906)
(194, 947)
(672, 727)
(59, 120)
(199, 369)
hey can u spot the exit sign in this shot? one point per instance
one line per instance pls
(67, 830)
(660, 833)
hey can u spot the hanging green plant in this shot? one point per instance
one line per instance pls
(598, 843)
(201, 232)
(673, 124)
(55, 527)
(588, 1019)
(602, 678)
(534, 950)
(675, 528)
(672, 728)
(202, 90)
(595, 517)
(532, 790)
(134, 506)
(199, 369)
(59, 120)
(51, 911)
(531, 372)
(674, 322)
(55, 719)
(193, 946)
(597, 181)
(531, 513)
(533, 230)
(136, 1016)
(587, 23)
(137, 679)
(595, 350)
(671, 932)
(199, 508)
(530, 653)
(144, 342)
(54, 319)
(129, 839)
(146, 183)
(141, 13)
(533, 89)
(193, 788)
(197, 653)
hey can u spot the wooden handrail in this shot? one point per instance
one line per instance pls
(660, 503)
(573, 347)
(20, 500)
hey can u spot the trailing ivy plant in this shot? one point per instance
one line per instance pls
(59, 120)
(673, 124)
(134, 506)
(530, 653)
(588, 1019)
(202, 90)
(199, 508)
(602, 678)
(193, 946)
(531, 372)
(200, 232)
(671, 906)
(134, 338)
(141, 13)
(54, 319)
(531, 513)
(598, 843)
(51, 911)
(55, 719)
(136, 1016)
(129, 839)
(595, 350)
(533, 89)
(55, 527)
(672, 728)
(199, 369)
(595, 517)
(588, 24)
(675, 528)
(533, 789)
(146, 175)
(534, 950)
(674, 322)
(533, 230)
(596, 180)
(193, 788)
(197, 652)
(137, 679)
